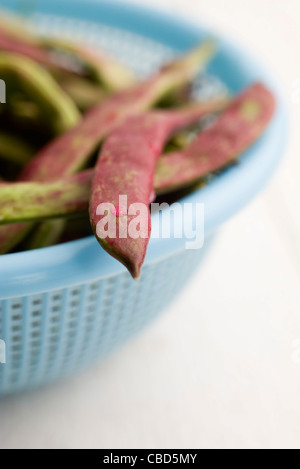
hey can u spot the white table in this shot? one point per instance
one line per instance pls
(234, 379)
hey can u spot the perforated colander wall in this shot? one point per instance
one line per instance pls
(53, 334)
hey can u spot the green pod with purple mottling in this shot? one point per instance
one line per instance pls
(15, 28)
(14, 149)
(76, 60)
(39, 85)
(11, 235)
(84, 93)
(44, 234)
(32, 201)
(102, 69)
(15, 38)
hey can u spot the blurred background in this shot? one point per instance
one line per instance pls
(221, 368)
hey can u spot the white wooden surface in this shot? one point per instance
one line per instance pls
(221, 369)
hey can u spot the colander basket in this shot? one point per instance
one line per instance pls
(63, 307)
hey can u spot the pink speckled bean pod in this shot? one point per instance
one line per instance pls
(220, 144)
(126, 168)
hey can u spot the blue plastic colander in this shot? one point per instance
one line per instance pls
(65, 306)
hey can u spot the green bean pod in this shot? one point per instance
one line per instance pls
(31, 201)
(36, 83)
(45, 234)
(16, 38)
(84, 93)
(102, 69)
(14, 149)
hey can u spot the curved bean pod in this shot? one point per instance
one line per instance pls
(220, 144)
(39, 85)
(21, 202)
(101, 68)
(126, 168)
